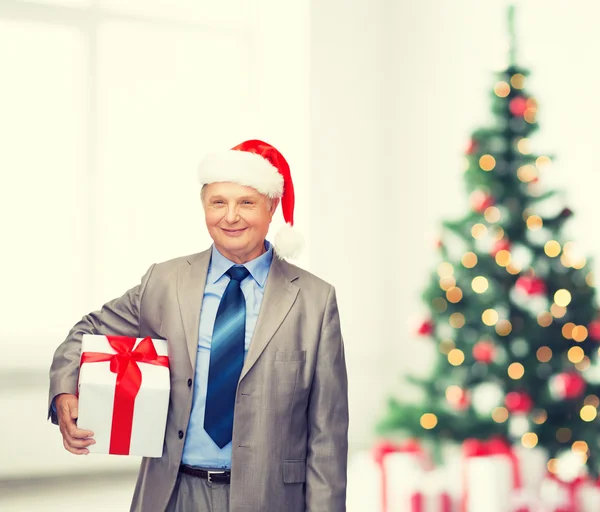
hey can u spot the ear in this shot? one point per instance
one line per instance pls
(274, 204)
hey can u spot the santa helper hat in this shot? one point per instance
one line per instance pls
(259, 165)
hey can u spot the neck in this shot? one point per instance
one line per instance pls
(241, 258)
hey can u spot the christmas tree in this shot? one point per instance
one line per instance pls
(511, 303)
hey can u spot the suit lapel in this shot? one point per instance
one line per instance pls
(191, 280)
(280, 295)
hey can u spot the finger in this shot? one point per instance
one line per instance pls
(77, 433)
(76, 451)
(79, 443)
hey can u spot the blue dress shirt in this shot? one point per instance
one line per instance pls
(199, 449)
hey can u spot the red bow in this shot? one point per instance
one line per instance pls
(129, 380)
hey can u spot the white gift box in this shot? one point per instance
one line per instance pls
(404, 474)
(112, 414)
(433, 494)
(489, 483)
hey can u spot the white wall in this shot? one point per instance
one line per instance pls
(352, 230)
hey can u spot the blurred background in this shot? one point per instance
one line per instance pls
(106, 107)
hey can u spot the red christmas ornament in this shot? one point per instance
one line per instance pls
(473, 146)
(484, 352)
(518, 106)
(480, 201)
(531, 285)
(568, 385)
(501, 245)
(594, 330)
(518, 402)
(426, 328)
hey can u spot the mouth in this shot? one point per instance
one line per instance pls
(233, 232)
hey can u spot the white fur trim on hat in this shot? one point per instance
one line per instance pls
(241, 167)
(288, 242)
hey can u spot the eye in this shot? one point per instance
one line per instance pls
(247, 202)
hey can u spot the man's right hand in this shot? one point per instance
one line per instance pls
(75, 440)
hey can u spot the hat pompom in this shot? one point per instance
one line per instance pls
(288, 242)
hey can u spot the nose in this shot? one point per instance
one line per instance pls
(232, 215)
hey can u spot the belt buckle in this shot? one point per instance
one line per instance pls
(210, 473)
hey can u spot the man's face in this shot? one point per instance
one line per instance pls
(237, 218)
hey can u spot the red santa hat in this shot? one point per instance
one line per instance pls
(259, 165)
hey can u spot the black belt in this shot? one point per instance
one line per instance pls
(218, 477)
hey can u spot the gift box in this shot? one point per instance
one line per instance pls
(402, 466)
(124, 387)
(491, 475)
(432, 494)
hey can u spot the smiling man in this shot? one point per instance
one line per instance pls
(258, 413)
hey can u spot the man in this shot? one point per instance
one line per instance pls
(258, 412)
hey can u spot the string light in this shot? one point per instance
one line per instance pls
(552, 248)
(588, 413)
(543, 161)
(527, 173)
(530, 115)
(579, 333)
(456, 357)
(558, 311)
(457, 320)
(439, 304)
(562, 298)
(502, 89)
(580, 446)
(534, 222)
(492, 214)
(563, 435)
(500, 414)
(487, 162)
(445, 269)
(589, 279)
(540, 416)
(516, 371)
(513, 269)
(584, 364)
(503, 258)
(503, 327)
(545, 319)
(447, 282)
(518, 81)
(524, 146)
(479, 231)
(529, 440)
(592, 400)
(552, 465)
(480, 284)
(429, 421)
(567, 330)
(498, 233)
(544, 354)
(454, 394)
(469, 259)
(575, 354)
(454, 295)
(446, 346)
(490, 317)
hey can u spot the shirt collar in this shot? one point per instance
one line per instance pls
(258, 267)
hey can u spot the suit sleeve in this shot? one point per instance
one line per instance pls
(120, 316)
(327, 453)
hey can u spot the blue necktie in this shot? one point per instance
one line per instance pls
(226, 359)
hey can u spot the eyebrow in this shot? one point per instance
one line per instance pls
(244, 198)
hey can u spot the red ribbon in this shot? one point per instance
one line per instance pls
(410, 446)
(494, 446)
(572, 490)
(417, 502)
(129, 380)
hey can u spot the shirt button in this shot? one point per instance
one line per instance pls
(189, 383)
(180, 434)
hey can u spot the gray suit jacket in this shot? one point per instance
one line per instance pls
(291, 415)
